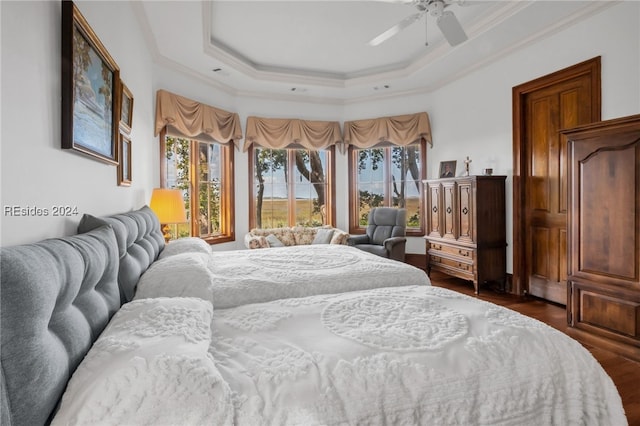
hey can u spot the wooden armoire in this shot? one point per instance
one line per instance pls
(603, 299)
(466, 228)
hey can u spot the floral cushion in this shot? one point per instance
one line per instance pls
(256, 242)
(339, 237)
(285, 236)
(304, 235)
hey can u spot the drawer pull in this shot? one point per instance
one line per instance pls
(463, 253)
(434, 209)
(449, 210)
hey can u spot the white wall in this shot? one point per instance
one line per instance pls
(36, 172)
(471, 116)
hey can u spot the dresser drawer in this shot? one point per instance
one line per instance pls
(452, 263)
(451, 267)
(449, 251)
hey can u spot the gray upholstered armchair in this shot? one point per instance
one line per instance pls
(385, 236)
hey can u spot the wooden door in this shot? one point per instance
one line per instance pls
(545, 106)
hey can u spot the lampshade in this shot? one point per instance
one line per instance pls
(168, 205)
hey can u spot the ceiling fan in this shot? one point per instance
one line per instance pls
(445, 19)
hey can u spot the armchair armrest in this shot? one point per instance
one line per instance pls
(395, 246)
(358, 239)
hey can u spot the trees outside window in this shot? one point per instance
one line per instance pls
(203, 172)
(387, 176)
(291, 187)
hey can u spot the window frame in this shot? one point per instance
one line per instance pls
(330, 196)
(227, 197)
(354, 210)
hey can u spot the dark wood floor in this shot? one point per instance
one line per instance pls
(624, 372)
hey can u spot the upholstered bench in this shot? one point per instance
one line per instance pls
(292, 236)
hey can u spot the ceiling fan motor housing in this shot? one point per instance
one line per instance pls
(446, 20)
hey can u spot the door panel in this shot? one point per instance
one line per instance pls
(607, 204)
(449, 206)
(465, 197)
(547, 111)
(435, 204)
(539, 257)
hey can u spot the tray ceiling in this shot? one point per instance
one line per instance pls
(317, 50)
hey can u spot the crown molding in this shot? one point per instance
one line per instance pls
(145, 28)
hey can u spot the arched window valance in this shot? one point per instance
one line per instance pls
(399, 130)
(277, 133)
(190, 119)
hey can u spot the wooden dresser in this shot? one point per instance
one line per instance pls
(603, 232)
(466, 228)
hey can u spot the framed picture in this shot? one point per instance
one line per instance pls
(447, 169)
(126, 108)
(90, 90)
(124, 165)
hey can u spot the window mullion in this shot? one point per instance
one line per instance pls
(291, 159)
(193, 185)
(388, 178)
(226, 187)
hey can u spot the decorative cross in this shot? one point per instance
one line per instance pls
(466, 166)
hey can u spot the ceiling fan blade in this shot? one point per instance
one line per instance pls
(396, 29)
(451, 28)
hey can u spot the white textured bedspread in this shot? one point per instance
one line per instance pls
(250, 276)
(416, 355)
(232, 278)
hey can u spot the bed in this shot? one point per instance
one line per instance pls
(238, 277)
(75, 352)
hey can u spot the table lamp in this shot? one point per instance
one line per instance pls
(168, 205)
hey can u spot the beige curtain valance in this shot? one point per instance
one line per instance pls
(398, 130)
(190, 119)
(280, 133)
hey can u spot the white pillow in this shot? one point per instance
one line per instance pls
(323, 236)
(185, 245)
(274, 241)
(180, 275)
(150, 366)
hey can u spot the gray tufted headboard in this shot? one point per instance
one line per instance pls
(57, 296)
(140, 241)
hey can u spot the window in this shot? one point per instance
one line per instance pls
(387, 177)
(204, 173)
(291, 187)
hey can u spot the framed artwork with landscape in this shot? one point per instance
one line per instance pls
(90, 90)
(126, 108)
(124, 164)
(447, 169)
